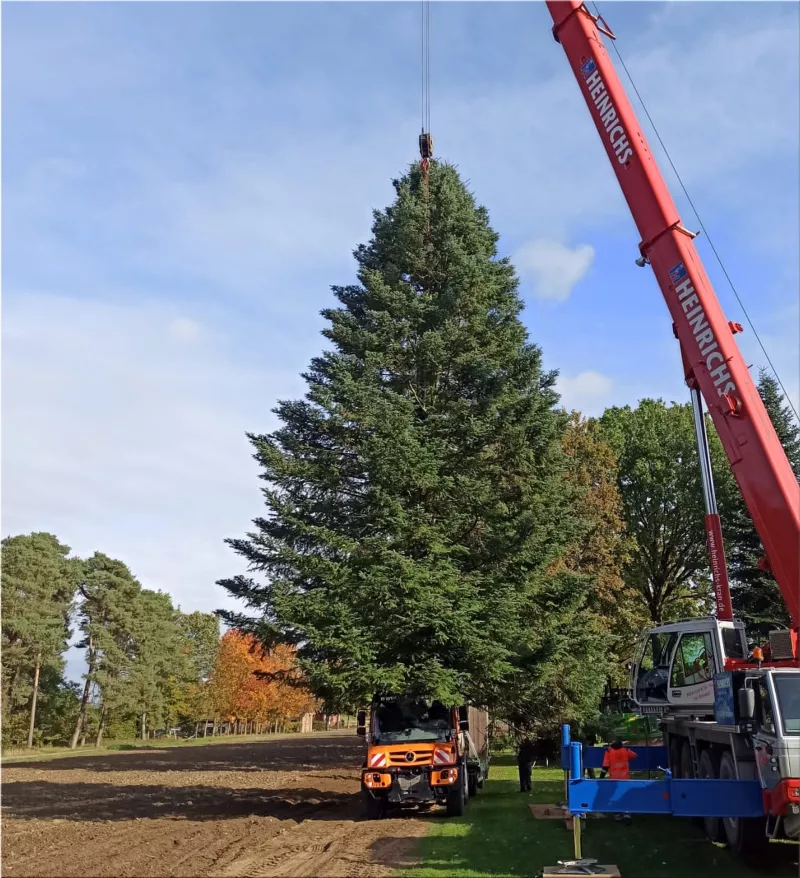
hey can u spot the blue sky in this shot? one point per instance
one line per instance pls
(183, 182)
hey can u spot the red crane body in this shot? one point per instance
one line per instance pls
(712, 358)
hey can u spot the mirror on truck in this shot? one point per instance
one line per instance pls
(361, 723)
(747, 704)
(463, 721)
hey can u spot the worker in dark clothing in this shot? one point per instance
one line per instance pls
(525, 757)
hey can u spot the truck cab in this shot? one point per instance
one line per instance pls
(776, 742)
(420, 751)
(677, 662)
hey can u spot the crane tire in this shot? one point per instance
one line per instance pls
(746, 837)
(687, 771)
(675, 751)
(709, 768)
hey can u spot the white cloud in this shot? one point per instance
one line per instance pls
(183, 329)
(119, 440)
(553, 268)
(588, 392)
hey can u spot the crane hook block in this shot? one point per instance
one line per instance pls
(425, 145)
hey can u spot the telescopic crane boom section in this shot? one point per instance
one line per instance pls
(712, 358)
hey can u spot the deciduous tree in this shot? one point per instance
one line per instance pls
(659, 480)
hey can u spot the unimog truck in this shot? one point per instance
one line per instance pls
(421, 752)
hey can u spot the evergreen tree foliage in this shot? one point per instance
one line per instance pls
(756, 597)
(418, 503)
(201, 635)
(38, 588)
(106, 619)
(162, 661)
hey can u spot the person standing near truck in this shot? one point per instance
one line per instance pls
(525, 756)
(616, 763)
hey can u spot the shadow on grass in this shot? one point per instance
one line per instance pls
(498, 836)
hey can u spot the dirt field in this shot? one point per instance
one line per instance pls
(277, 808)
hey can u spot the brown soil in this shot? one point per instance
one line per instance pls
(277, 808)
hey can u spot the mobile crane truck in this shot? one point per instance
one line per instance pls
(726, 712)
(421, 752)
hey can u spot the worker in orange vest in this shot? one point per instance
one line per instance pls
(616, 764)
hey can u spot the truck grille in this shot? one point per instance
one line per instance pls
(780, 643)
(400, 758)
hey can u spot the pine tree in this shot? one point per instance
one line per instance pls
(417, 497)
(161, 660)
(38, 588)
(106, 620)
(756, 597)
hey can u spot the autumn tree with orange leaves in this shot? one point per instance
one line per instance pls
(254, 688)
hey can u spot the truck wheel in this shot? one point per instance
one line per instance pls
(374, 807)
(746, 837)
(455, 802)
(709, 768)
(473, 784)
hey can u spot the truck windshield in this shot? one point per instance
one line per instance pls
(405, 720)
(788, 688)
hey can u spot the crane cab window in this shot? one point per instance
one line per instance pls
(765, 716)
(694, 660)
(787, 688)
(651, 679)
(733, 640)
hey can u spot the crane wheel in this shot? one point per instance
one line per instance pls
(709, 768)
(675, 753)
(746, 837)
(687, 771)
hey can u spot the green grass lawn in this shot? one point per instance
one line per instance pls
(499, 836)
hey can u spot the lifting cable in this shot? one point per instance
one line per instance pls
(701, 224)
(425, 138)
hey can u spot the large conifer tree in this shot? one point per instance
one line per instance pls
(417, 499)
(756, 597)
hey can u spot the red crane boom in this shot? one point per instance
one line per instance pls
(712, 358)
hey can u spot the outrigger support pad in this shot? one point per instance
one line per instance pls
(580, 867)
(425, 145)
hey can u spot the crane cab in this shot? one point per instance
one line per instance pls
(677, 662)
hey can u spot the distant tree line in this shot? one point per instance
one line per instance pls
(436, 523)
(149, 666)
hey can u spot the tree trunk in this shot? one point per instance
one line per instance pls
(81, 722)
(99, 739)
(144, 725)
(34, 697)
